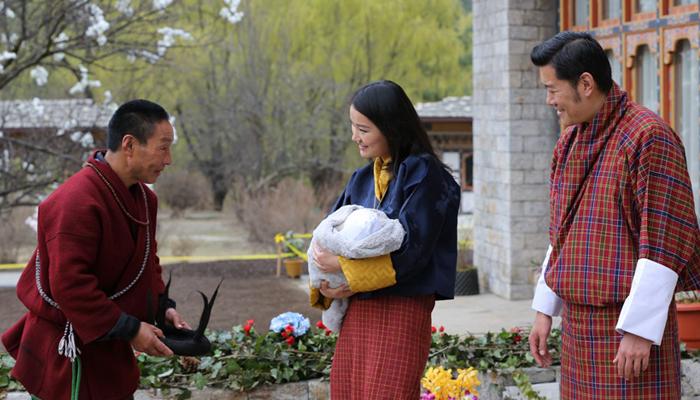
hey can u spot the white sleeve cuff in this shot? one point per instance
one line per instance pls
(646, 309)
(545, 300)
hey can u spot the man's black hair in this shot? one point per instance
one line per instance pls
(571, 54)
(137, 118)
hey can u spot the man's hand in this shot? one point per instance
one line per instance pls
(632, 356)
(146, 341)
(174, 318)
(538, 339)
(325, 260)
(340, 292)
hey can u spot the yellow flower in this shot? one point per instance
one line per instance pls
(439, 382)
(468, 379)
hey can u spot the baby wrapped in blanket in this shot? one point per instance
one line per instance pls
(352, 232)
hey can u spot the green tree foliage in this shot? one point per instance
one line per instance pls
(267, 98)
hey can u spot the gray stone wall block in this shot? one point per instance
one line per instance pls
(530, 192)
(319, 390)
(523, 4)
(289, 391)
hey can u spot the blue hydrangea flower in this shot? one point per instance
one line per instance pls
(300, 323)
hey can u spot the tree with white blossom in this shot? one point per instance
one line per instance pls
(40, 38)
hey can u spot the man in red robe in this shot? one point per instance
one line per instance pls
(92, 285)
(623, 233)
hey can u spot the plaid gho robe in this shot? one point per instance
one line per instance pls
(621, 208)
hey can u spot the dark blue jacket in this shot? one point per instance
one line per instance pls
(424, 197)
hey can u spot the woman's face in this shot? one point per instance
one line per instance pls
(369, 139)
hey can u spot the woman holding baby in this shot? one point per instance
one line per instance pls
(385, 336)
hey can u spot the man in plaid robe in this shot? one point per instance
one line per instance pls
(622, 232)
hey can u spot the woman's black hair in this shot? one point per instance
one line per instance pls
(386, 104)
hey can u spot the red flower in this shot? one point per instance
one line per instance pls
(246, 329)
(320, 325)
(515, 330)
(284, 334)
(442, 329)
(250, 322)
(433, 329)
(517, 338)
(289, 329)
(290, 340)
(328, 332)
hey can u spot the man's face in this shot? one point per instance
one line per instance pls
(565, 99)
(150, 159)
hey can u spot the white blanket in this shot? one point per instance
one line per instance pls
(352, 232)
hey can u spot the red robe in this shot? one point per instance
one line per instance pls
(88, 253)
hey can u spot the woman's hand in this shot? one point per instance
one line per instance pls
(341, 292)
(326, 261)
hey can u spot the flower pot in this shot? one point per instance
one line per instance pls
(689, 324)
(293, 267)
(467, 282)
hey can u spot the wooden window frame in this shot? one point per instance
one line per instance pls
(633, 41)
(668, 9)
(614, 43)
(671, 36)
(568, 18)
(631, 15)
(597, 20)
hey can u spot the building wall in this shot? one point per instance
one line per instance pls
(514, 135)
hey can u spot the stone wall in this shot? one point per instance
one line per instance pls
(514, 135)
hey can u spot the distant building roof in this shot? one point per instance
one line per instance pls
(54, 114)
(449, 107)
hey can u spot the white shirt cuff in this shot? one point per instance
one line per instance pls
(646, 308)
(545, 300)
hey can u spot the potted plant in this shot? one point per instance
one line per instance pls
(688, 306)
(467, 278)
(295, 245)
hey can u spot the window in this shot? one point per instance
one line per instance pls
(468, 182)
(451, 159)
(641, 6)
(686, 111)
(581, 12)
(647, 85)
(611, 9)
(615, 67)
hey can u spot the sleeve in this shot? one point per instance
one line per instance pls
(368, 274)
(545, 300)
(126, 328)
(667, 228)
(318, 300)
(430, 202)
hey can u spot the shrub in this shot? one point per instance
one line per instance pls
(289, 206)
(183, 190)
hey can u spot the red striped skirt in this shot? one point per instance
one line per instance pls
(589, 346)
(382, 348)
